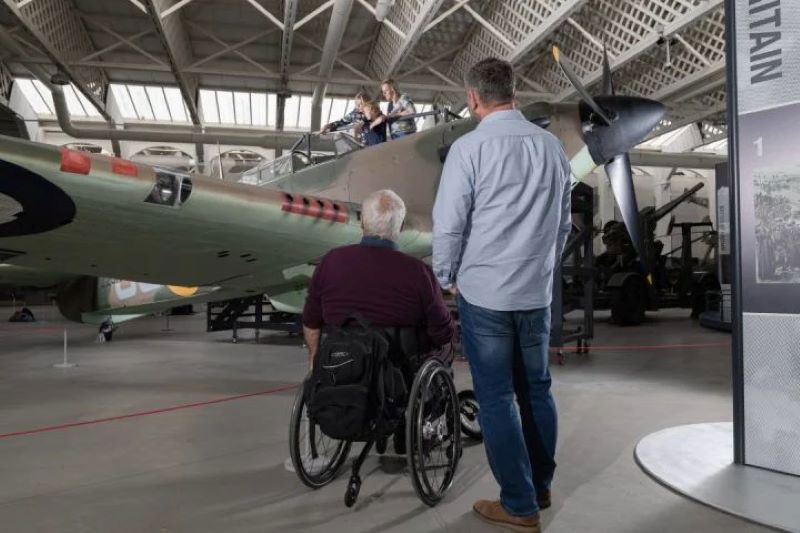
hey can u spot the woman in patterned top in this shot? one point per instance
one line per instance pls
(400, 105)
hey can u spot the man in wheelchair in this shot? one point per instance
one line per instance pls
(386, 288)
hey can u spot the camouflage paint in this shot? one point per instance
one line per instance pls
(229, 239)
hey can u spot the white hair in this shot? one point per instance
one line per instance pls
(382, 214)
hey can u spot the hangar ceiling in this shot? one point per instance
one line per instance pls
(671, 50)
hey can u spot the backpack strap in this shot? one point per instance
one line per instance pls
(380, 371)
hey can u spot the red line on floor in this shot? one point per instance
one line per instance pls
(145, 413)
(16, 331)
(644, 347)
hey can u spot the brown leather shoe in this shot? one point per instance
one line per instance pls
(494, 513)
(543, 499)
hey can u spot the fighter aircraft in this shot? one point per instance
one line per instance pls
(90, 221)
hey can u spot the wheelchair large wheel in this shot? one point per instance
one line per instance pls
(316, 457)
(433, 432)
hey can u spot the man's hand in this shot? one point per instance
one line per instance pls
(312, 337)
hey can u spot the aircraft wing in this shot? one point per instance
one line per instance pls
(22, 277)
(100, 216)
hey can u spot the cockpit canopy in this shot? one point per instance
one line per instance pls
(302, 155)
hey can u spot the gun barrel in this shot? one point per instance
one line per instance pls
(667, 208)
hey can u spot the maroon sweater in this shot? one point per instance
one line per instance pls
(387, 287)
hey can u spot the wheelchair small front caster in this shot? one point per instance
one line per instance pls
(468, 410)
(353, 488)
(380, 445)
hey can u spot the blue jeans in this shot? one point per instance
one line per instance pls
(508, 354)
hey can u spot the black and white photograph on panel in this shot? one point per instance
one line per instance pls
(777, 214)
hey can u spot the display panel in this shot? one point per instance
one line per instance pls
(767, 149)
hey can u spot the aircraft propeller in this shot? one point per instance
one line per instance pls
(614, 125)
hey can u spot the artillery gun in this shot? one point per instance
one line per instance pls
(624, 285)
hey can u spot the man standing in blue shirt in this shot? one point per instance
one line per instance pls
(500, 223)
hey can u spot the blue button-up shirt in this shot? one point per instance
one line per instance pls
(502, 214)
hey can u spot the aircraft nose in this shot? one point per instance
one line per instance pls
(633, 118)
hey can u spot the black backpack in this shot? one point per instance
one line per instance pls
(354, 392)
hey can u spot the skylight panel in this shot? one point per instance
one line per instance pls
(225, 105)
(658, 143)
(272, 109)
(716, 147)
(422, 108)
(242, 108)
(304, 117)
(339, 108)
(327, 105)
(208, 101)
(159, 103)
(33, 97)
(73, 102)
(145, 102)
(88, 106)
(123, 100)
(176, 105)
(41, 99)
(258, 103)
(140, 102)
(291, 112)
(45, 94)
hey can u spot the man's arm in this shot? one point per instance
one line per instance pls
(350, 118)
(565, 227)
(451, 213)
(312, 336)
(312, 313)
(438, 321)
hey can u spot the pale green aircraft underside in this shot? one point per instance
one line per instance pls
(227, 239)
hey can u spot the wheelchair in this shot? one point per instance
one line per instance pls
(433, 424)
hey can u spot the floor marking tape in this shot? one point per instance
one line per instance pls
(145, 413)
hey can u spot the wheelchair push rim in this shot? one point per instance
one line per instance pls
(316, 457)
(433, 432)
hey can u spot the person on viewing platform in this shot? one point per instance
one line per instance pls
(374, 131)
(400, 105)
(355, 118)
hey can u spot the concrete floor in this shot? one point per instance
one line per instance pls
(220, 467)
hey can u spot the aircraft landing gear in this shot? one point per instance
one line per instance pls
(106, 331)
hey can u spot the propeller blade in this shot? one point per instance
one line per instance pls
(608, 83)
(621, 177)
(576, 83)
